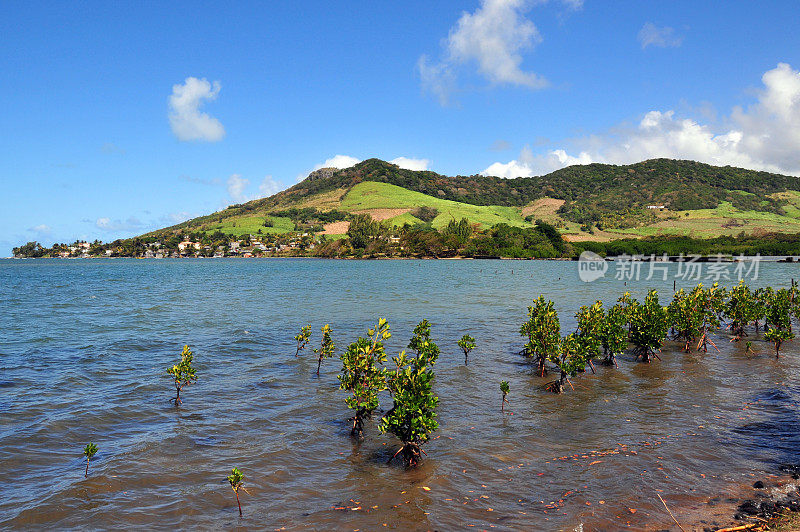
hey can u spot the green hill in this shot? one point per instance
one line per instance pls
(596, 201)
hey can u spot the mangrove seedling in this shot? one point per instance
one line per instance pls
(613, 336)
(740, 309)
(302, 338)
(362, 374)
(696, 314)
(89, 452)
(236, 478)
(683, 318)
(467, 344)
(413, 416)
(778, 322)
(590, 328)
(543, 331)
(326, 348)
(761, 297)
(504, 390)
(571, 360)
(183, 373)
(648, 322)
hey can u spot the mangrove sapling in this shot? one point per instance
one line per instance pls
(543, 331)
(326, 348)
(648, 322)
(571, 360)
(89, 452)
(467, 344)
(590, 324)
(778, 322)
(183, 373)
(761, 297)
(740, 309)
(613, 336)
(413, 416)
(236, 478)
(712, 305)
(421, 339)
(302, 338)
(696, 314)
(684, 320)
(504, 390)
(362, 375)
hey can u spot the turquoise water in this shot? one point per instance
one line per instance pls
(84, 346)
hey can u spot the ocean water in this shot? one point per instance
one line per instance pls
(84, 345)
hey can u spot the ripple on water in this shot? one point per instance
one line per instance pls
(90, 340)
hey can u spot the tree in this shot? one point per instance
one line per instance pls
(648, 326)
(183, 373)
(543, 331)
(413, 416)
(460, 230)
(467, 344)
(327, 347)
(362, 374)
(504, 390)
(89, 452)
(363, 229)
(569, 361)
(740, 309)
(613, 336)
(302, 338)
(235, 478)
(778, 322)
(589, 333)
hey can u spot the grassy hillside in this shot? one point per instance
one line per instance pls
(587, 202)
(371, 197)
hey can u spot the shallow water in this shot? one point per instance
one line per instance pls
(84, 346)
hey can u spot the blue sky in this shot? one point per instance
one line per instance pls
(120, 117)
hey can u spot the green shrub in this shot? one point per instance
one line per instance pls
(362, 374)
(183, 373)
(302, 338)
(235, 479)
(467, 344)
(89, 451)
(543, 331)
(413, 416)
(778, 321)
(648, 326)
(326, 348)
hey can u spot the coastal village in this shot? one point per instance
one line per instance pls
(245, 247)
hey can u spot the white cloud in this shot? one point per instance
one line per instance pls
(269, 187)
(411, 164)
(185, 117)
(573, 4)
(338, 161)
(41, 230)
(436, 78)
(493, 38)
(178, 217)
(663, 37)
(237, 188)
(529, 164)
(113, 226)
(763, 136)
(236, 185)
